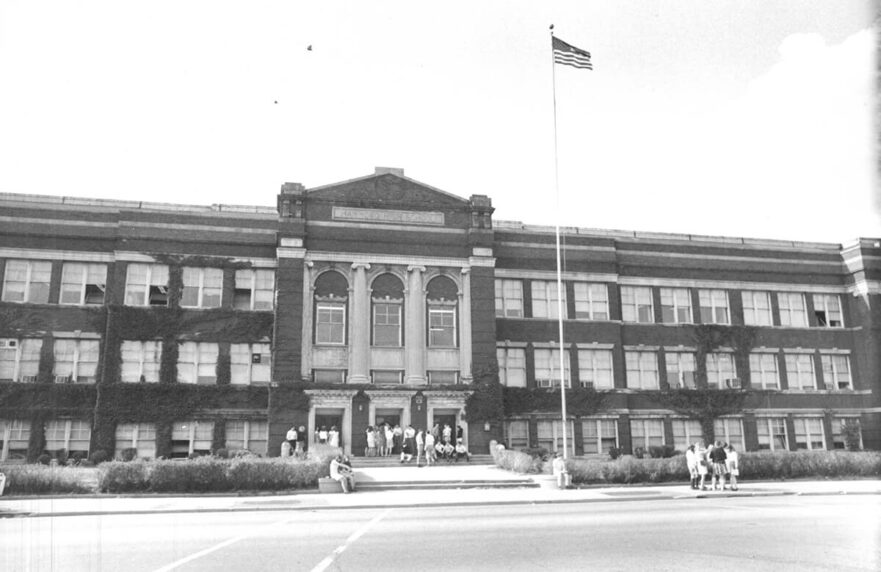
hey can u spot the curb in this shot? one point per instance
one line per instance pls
(310, 507)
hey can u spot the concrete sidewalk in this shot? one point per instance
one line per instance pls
(312, 500)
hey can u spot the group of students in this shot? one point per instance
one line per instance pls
(720, 461)
(434, 445)
(295, 442)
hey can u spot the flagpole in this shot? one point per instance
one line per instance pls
(557, 235)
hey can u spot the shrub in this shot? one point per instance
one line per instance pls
(615, 452)
(61, 456)
(222, 453)
(125, 476)
(516, 461)
(44, 459)
(661, 451)
(202, 474)
(639, 452)
(129, 454)
(40, 479)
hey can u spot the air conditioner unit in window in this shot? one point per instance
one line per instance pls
(587, 384)
(62, 379)
(674, 384)
(544, 383)
(28, 379)
(8, 344)
(733, 383)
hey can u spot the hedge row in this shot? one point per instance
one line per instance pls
(40, 479)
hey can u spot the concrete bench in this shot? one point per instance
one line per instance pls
(326, 485)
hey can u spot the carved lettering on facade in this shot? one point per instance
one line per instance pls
(388, 216)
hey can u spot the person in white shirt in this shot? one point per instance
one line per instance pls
(732, 462)
(560, 472)
(342, 473)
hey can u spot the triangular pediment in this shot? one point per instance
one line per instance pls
(387, 190)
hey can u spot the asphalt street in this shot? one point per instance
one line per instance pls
(762, 533)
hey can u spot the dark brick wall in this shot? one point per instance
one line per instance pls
(288, 326)
(483, 320)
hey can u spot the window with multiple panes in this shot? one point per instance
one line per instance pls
(140, 361)
(800, 371)
(545, 300)
(550, 435)
(721, 372)
(772, 433)
(27, 281)
(547, 367)
(387, 376)
(254, 289)
(756, 308)
(83, 283)
(598, 435)
(387, 326)
(330, 376)
(827, 310)
(763, 370)
(443, 377)
(20, 359)
(809, 433)
(76, 361)
(138, 436)
(512, 366)
(793, 312)
(730, 430)
(714, 307)
(842, 427)
(247, 435)
(202, 287)
(146, 285)
(686, 432)
(509, 298)
(836, 371)
(70, 434)
(595, 369)
(330, 323)
(14, 437)
(516, 434)
(680, 369)
(676, 306)
(637, 305)
(441, 325)
(591, 301)
(197, 363)
(646, 433)
(191, 438)
(642, 369)
(250, 363)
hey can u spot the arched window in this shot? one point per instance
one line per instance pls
(442, 304)
(331, 294)
(388, 311)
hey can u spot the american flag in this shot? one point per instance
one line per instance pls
(570, 55)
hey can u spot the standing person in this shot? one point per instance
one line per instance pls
(408, 444)
(718, 458)
(370, 450)
(692, 464)
(398, 439)
(322, 435)
(436, 433)
(732, 461)
(700, 453)
(460, 433)
(389, 439)
(291, 438)
(342, 472)
(430, 454)
(302, 442)
(560, 472)
(333, 437)
(420, 445)
(380, 440)
(448, 433)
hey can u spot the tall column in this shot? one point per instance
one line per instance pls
(308, 297)
(465, 375)
(415, 342)
(359, 343)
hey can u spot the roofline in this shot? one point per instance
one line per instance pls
(374, 175)
(118, 205)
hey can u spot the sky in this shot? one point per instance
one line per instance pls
(749, 118)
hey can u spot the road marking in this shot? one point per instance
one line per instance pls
(216, 547)
(354, 536)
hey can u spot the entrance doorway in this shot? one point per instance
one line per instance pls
(392, 417)
(443, 417)
(325, 420)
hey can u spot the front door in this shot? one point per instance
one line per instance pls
(326, 422)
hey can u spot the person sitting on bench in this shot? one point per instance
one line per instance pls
(342, 472)
(462, 451)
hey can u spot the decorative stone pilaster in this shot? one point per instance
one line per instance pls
(415, 333)
(359, 366)
(465, 374)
